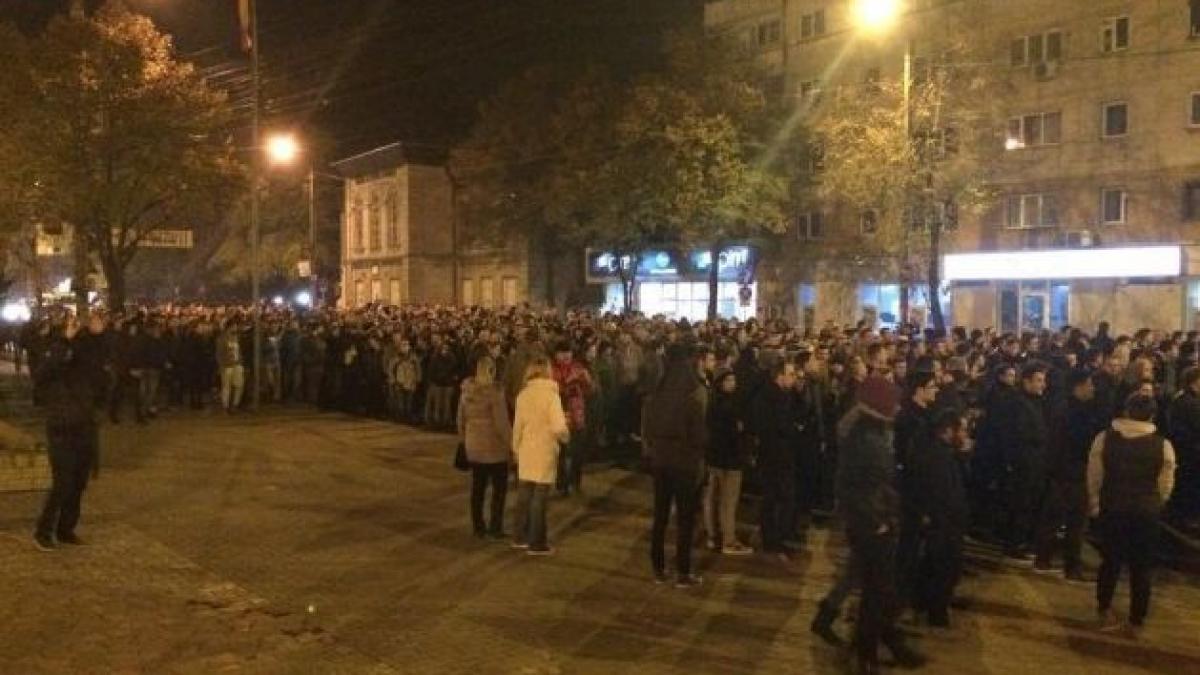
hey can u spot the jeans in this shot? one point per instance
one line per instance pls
(73, 449)
(681, 488)
(778, 505)
(570, 463)
(233, 381)
(481, 475)
(148, 390)
(1128, 539)
(1064, 502)
(720, 505)
(530, 525)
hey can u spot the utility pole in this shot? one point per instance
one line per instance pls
(905, 226)
(255, 176)
(312, 234)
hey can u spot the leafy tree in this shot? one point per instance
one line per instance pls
(906, 166)
(130, 139)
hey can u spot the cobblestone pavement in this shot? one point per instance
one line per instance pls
(295, 542)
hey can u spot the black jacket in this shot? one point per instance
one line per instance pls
(935, 486)
(674, 424)
(778, 431)
(1076, 426)
(866, 474)
(724, 439)
(69, 376)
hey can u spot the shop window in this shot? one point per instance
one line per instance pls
(1116, 119)
(1114, 34)
(881, 302)
(1060, 305)
(1113, 206)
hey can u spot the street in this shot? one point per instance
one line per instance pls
(295, 542)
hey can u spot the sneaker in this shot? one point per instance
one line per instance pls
(688, 581)
(660, 578)
(737, 549)
(44, 542)
(1107, 622)
(71, 539)
(519, 546)
(545, 551)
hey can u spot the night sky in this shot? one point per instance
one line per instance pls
(368, 72)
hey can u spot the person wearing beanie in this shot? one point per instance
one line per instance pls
(870, 509)
(1130, 476)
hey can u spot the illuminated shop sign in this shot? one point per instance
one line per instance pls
(1091, 263)
(735, 264)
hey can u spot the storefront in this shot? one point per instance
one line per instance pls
(1130, 287)
(675, 285)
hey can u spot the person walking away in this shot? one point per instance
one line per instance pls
(574, 386)
(539, 428)
(726, 461)
(484, 429)
(675, 436)
(229, 362)
(1130, 476)
(69, 374)
(777, 436)
(1065, 500)
(1184, 420)
(936, 479)
(870, 510)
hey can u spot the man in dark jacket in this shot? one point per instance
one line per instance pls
(1022, 441)
(778, 435)
(913, 438)
(870, 509)
(69, 373)
(1185, 437)
(676, 434)
(1065, 500)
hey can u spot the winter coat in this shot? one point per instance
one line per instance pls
(778, 430)
(674, 425)
(1076, 427)
(539, 427)
(724, 439)
(483, 423)
(1100, 478)
(866, 473)
(934, 486)
(574, 386)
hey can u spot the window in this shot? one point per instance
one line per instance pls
(394, 292)
(468, 292)
(487, 293)
(1031, 210)
(392, 214)
(1195, 19)
(812, 25)
(1113, 206)
(766, 33)
(810, 91)
(1116, 119)
(508, 291)
(1114, 34)
(356, 228)
(1194, 118)
(816, 157)
(374, 232)
(810, 226)
(1029, 50)
(868, 222)
(1028, 131)
(1191, 200)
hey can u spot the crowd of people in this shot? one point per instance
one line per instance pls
(918, 440)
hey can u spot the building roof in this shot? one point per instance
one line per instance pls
(389, 156)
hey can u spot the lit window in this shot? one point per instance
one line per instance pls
(1113, 206)
(1116, 119)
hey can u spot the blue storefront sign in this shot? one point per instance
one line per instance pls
(735, 264)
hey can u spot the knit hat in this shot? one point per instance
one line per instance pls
(880, 396)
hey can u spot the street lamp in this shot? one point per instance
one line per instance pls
(282, 148)
(876, 15)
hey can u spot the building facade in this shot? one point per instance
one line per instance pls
(403, 240)
(1096, 156)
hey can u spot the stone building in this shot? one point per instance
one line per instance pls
(403, 240)
(1096, 158)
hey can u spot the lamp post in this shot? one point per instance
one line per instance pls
(873, 18)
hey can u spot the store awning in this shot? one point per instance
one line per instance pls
(1086, 263)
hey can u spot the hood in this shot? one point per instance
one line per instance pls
(1132, 428)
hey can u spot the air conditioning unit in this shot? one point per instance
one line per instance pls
(1074, 239)
(1045, 70)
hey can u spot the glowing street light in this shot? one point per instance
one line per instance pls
(876, 15)
(282, 148)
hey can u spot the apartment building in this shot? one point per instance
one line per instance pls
(1096, 159)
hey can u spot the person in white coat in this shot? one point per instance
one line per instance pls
(539, 431)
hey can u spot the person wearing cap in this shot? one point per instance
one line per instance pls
(870, 509)
(1065, 500)
(1130, 476)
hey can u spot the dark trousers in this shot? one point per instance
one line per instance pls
(530, 525)
(124, 387)
(1065, 502)
(1129, 539)
(940, 568)
(73, 450)
(570, 463)
(681, 488)
(908, 558)
(481, 475)
(808, 485)
(778, 505)
(875, 556)
(1025, 486)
